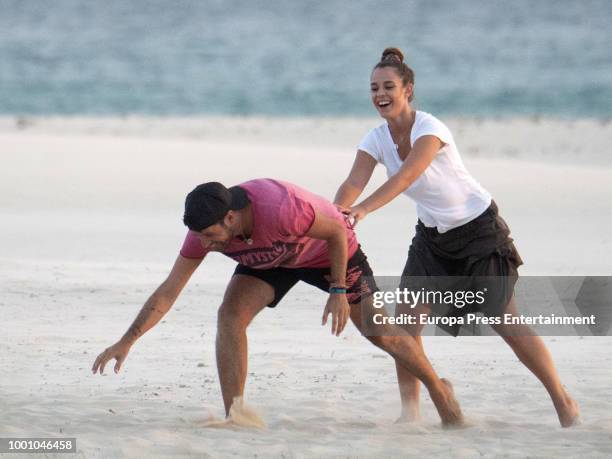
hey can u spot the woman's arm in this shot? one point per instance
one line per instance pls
(423, 152)
(358, 178)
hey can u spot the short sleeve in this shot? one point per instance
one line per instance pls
(296, 217)
(370, 145)
(192, 247)
(430, 125)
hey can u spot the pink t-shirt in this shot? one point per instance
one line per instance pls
(282, 215)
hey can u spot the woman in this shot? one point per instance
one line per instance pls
(459, 232)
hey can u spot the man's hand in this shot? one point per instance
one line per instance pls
(340, 310)
(117, 351)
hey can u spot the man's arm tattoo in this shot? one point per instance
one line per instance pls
(149, 310)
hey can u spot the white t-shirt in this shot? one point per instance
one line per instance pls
(447, 196)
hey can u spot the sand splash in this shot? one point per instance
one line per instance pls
(240, 415)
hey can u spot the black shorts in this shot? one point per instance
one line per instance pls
(479, 255)
(359, 278)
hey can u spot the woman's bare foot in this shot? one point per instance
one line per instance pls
(447, 405)
(410, 413)
(569, 412)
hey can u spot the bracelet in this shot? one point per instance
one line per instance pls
(337, 290)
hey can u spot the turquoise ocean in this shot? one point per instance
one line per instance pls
(303, 58)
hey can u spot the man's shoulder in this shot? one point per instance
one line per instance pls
(262, 185)
(271, 189)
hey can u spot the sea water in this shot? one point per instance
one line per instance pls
(295, 58)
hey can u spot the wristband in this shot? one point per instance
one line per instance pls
(337, 290)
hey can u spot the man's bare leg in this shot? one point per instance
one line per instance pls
(533, 353)
(406, 350)
(244, 297)
(409, 386)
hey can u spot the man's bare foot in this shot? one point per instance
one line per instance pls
(569, 413)
(447, 405)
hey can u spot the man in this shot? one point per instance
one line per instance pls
(279, 234)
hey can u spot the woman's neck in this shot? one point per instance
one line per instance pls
(403, 121)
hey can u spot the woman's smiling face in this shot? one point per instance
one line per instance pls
(389, 95)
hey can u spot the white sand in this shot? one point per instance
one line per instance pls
(90, 222)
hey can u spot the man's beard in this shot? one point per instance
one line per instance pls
(220, 246)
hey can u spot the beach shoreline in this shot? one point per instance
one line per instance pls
(533, 138)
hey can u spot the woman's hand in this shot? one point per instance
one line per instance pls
(358, 213)
(342, 209)
(348, 216)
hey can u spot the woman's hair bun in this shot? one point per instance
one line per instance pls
(392, 55)
(394, 58)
